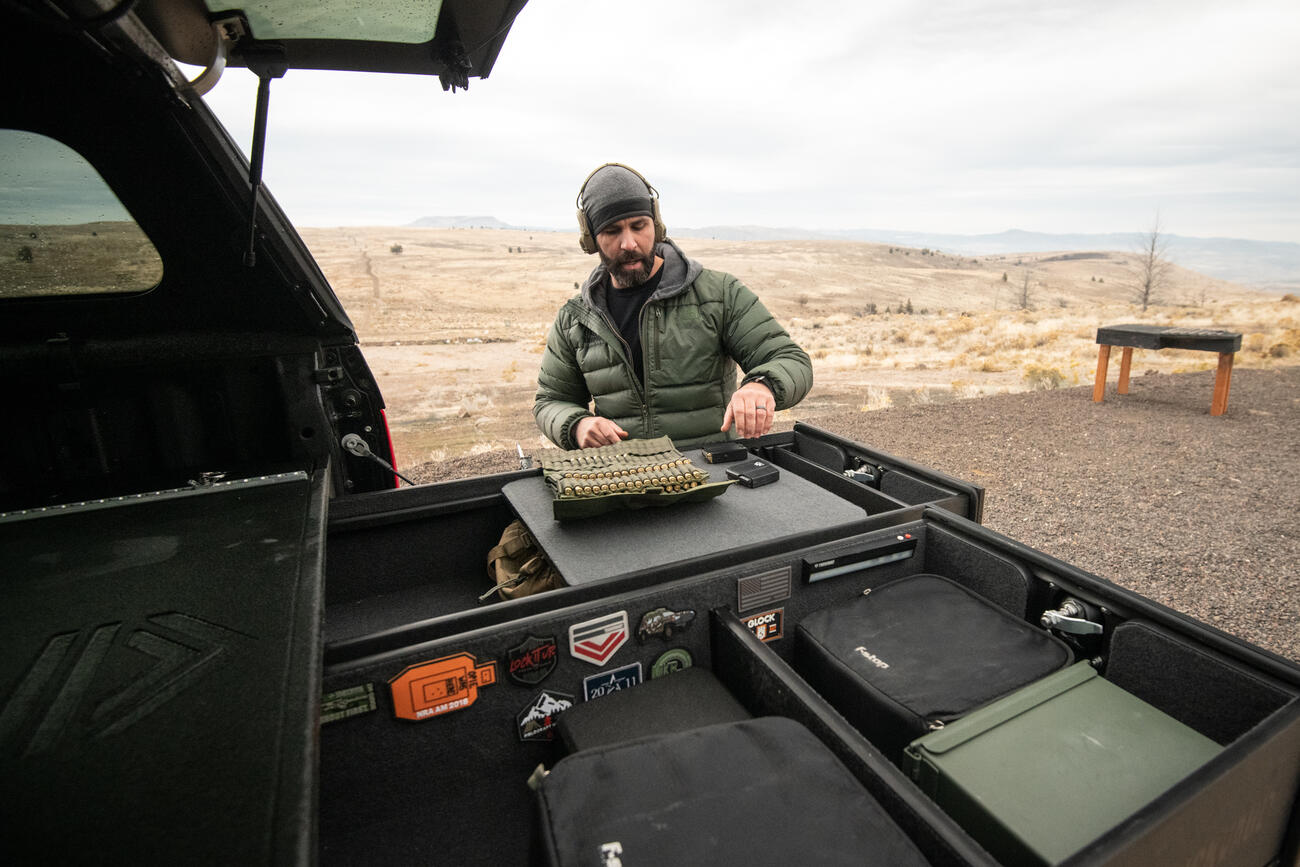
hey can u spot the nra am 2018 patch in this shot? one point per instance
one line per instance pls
(444, 685)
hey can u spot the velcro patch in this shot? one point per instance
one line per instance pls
(767, 625)
(444, 685)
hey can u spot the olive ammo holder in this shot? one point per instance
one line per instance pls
(632, 474)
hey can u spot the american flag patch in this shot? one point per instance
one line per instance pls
(764, 589)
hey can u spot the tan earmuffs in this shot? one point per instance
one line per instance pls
(587, 238)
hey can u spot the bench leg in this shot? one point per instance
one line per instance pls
(1222, 382)
(1103, 361)
(1125, 359)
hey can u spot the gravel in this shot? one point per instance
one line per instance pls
(1147, 490)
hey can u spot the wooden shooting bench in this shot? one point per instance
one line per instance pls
(1226, 343)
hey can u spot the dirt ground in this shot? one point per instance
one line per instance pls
(454, 324)
(979, 367)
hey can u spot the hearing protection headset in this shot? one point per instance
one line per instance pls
(587, 237)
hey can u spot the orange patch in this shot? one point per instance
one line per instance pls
(444, 685)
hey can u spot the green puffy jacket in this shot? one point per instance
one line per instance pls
(697, 327)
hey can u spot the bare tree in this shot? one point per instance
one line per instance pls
(1152, 271)
(1024, 302)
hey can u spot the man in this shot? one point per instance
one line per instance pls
(654, 338)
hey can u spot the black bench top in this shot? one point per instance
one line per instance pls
(1169, 337)
(626, 541)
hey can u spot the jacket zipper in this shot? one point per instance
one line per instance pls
(648, 362)
(627, 352)
(641, 387)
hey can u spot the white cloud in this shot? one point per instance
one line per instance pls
(948, 116)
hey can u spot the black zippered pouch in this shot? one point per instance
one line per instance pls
(918, 652)
(759, 792)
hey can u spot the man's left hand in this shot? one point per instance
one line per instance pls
(752, 408)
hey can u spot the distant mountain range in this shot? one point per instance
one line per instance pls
(465, 223)
(1270, 265)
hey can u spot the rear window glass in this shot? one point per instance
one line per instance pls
(62, 231)
(374, 21)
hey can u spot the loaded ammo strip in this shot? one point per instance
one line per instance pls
(630, 474)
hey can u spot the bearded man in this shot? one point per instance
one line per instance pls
(651, 345)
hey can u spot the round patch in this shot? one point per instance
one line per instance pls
(671, 661)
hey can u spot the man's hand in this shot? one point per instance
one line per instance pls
(595, 431)
(751, 408)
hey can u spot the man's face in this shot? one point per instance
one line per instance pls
(627, 249)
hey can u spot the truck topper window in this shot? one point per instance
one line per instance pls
(62, 230)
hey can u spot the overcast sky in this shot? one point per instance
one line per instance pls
(962, 116)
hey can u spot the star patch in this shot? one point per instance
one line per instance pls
(602, 684)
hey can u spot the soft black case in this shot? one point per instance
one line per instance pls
(918, 652)
(758, 792)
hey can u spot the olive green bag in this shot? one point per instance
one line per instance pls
(518, 567)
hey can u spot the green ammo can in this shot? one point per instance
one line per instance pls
(1037, 775)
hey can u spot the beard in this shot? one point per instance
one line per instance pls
(629, 279)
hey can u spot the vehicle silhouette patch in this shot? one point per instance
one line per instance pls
(595, 641)
(444, 685)
(663, 623)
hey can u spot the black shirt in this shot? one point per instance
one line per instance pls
(625, 309)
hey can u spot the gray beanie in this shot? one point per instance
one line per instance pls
(615, 193)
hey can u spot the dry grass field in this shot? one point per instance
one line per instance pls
(453, 321)
(76, 259)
